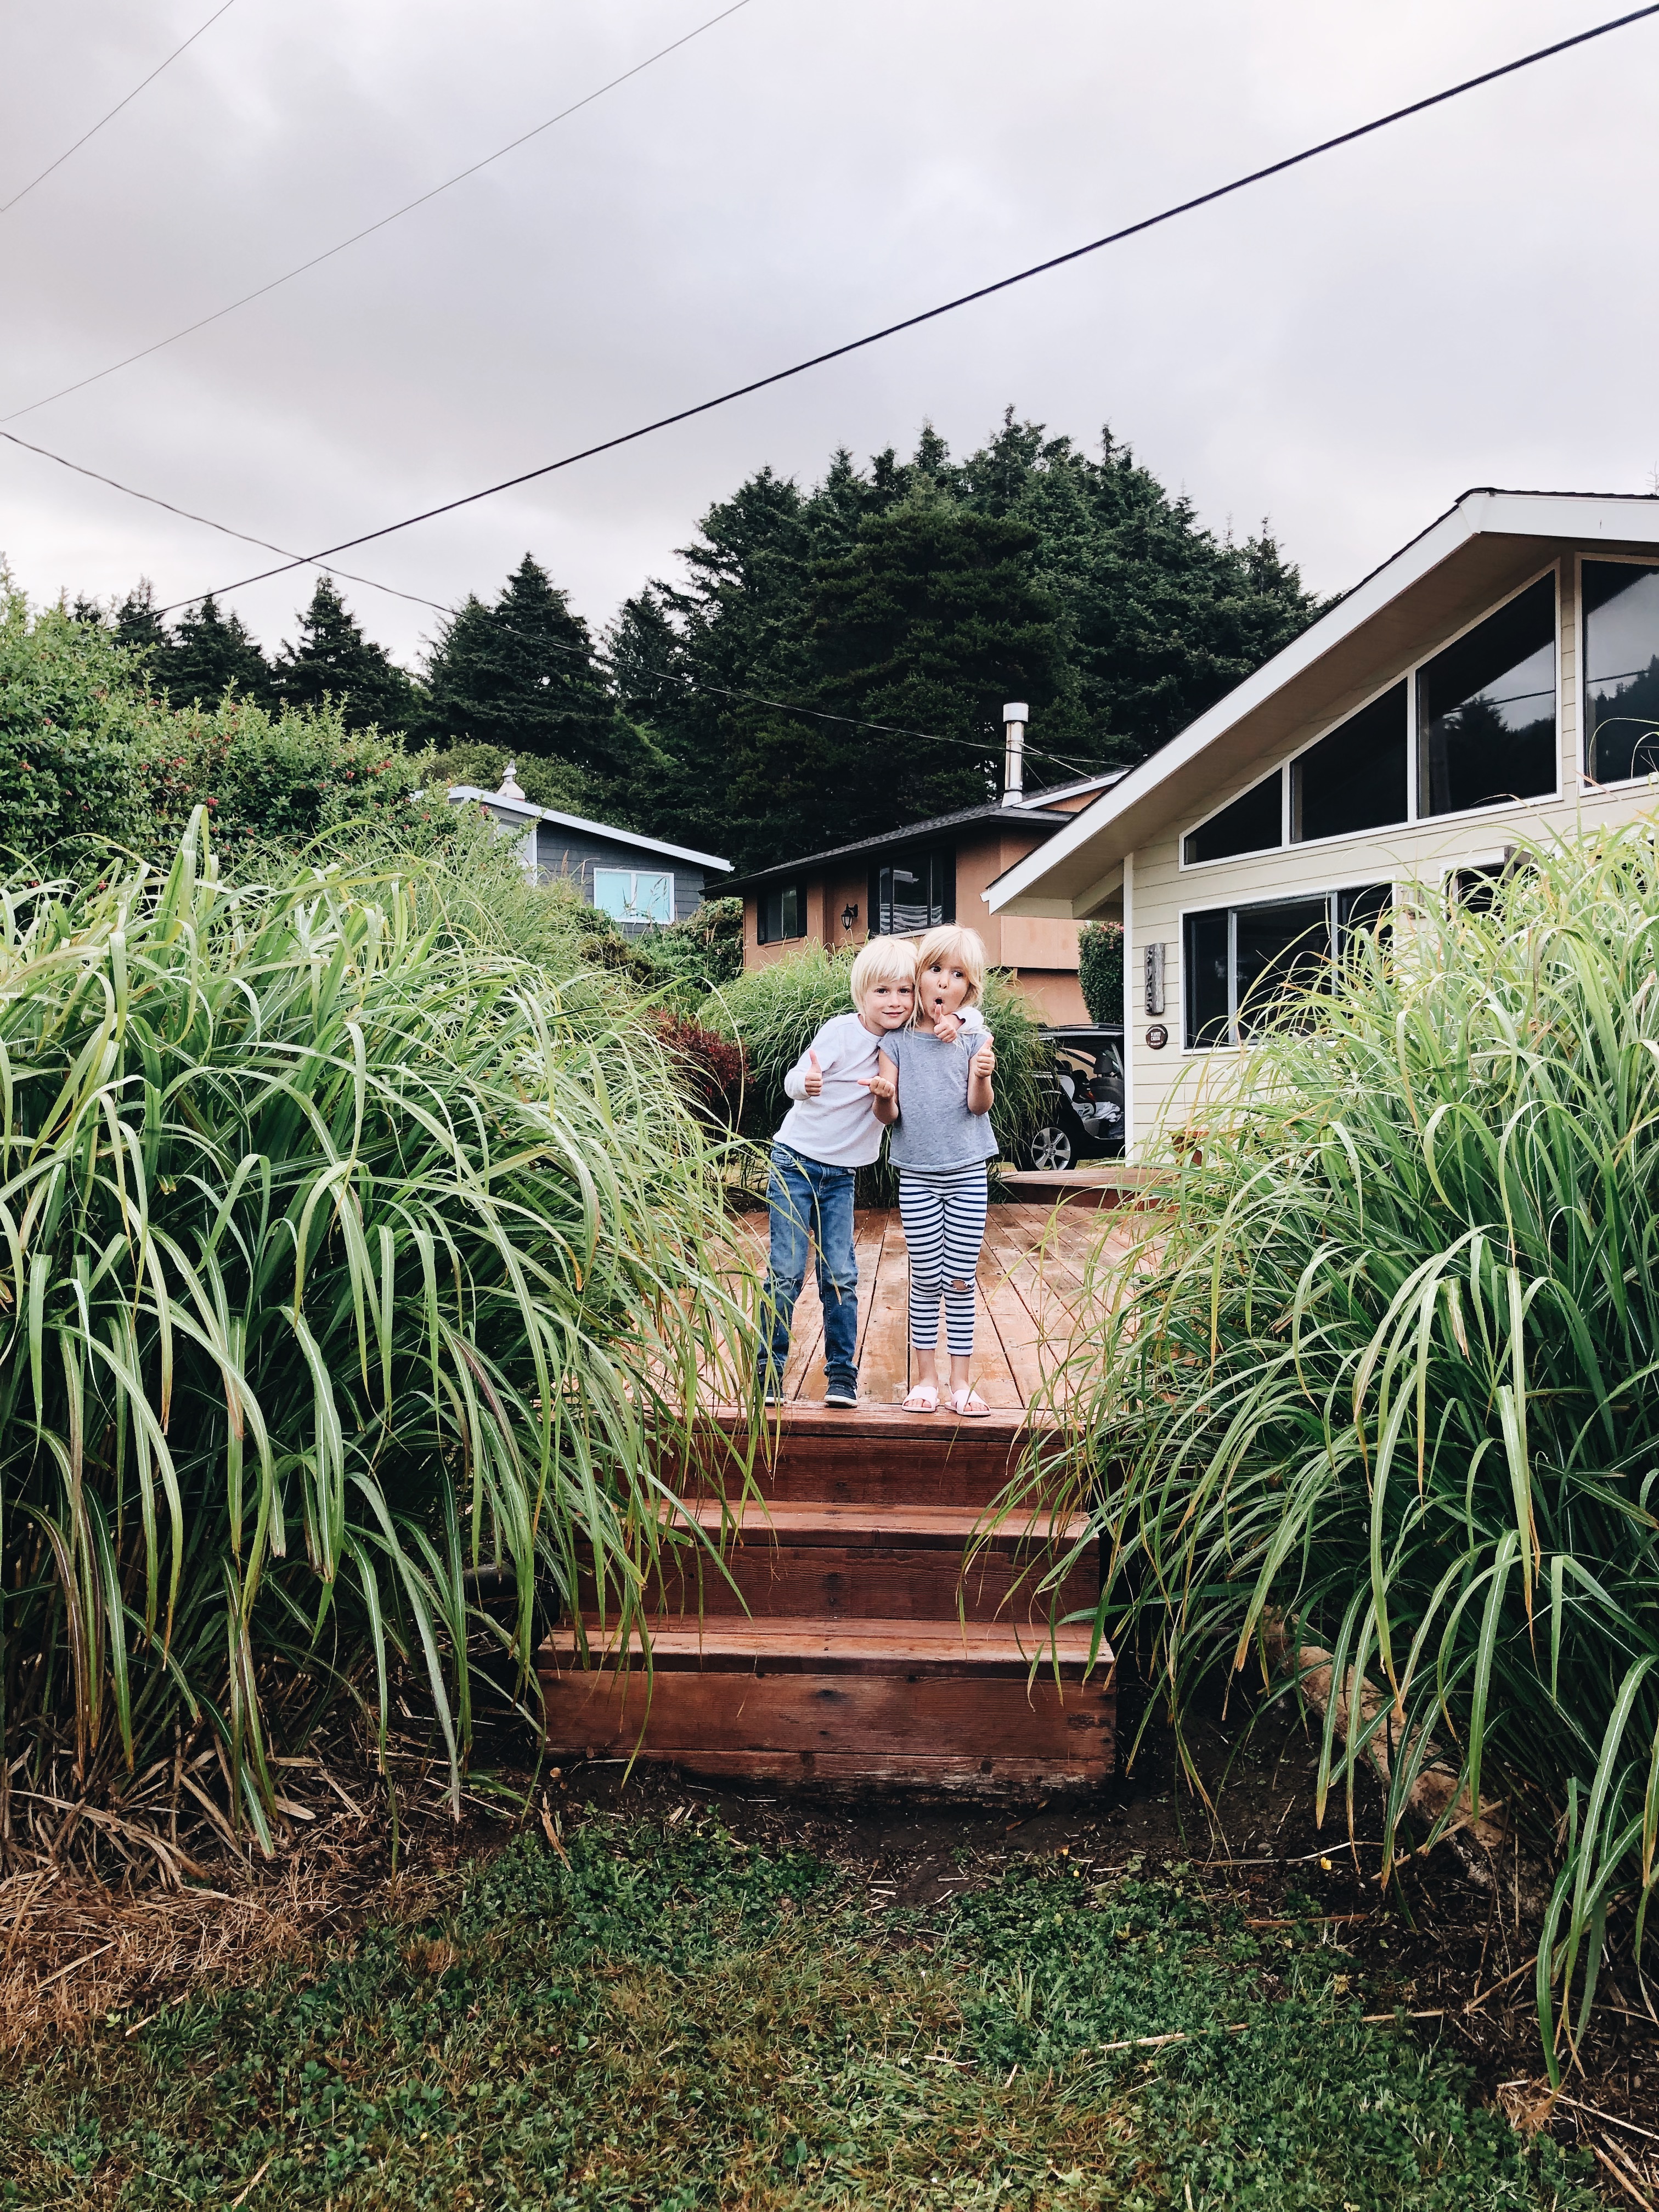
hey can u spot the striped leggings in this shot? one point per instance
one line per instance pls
(944, 1218)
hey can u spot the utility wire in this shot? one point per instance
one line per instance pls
(7, 206)
(949, 306)
(437, 606)
(369, 231)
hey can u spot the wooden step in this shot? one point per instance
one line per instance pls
(888, 1562)
(849, 1704)
(878, 1455)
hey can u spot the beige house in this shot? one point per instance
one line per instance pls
(1498, 678)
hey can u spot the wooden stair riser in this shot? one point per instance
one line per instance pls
(899, 1582)
(876, 1718)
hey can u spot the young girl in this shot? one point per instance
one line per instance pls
(934, 1086)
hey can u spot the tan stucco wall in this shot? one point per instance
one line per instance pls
(1171, 1084)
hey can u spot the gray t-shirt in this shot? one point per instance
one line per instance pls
(935, 1128)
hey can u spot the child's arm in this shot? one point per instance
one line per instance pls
(883, 1087)
(980, 1068)
(947, 1028)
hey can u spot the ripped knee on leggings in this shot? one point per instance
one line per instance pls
(958, 1286)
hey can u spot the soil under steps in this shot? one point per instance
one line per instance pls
(853, 1653)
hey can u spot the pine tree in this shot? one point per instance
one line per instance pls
(522, 675)
(211, 652)
(139, 628)
(332, 658)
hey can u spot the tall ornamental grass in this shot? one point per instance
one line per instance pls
(1390, 1386)
(345, 1255)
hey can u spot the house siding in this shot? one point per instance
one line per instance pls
(1168, 1088)
(575, 856)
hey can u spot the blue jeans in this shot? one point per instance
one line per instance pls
(809, 1201)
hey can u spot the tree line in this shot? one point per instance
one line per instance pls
(830, 662)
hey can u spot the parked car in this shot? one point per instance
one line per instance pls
(1083, 1093)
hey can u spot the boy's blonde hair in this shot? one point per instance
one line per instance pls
(960, 948)
(882, 960)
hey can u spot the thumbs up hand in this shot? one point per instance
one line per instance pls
(814, 1085)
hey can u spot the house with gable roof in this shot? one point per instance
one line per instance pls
(1497, 678)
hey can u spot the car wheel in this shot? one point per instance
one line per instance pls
(1049, 1148)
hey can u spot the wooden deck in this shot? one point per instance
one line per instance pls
(1030, 1275)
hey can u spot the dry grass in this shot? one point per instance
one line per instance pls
(73, 1951)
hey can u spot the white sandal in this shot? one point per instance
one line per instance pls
(967, 1404)
(923, 1398)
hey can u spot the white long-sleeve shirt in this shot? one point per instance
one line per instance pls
(838, 1128)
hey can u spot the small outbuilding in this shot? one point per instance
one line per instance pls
(640, 882)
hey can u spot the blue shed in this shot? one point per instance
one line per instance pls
(638, 881)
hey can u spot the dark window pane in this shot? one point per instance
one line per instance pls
(1355, 777)
(916, 893)
(1252, 824)
(1365, 908)
(1486, 709)
(778, 914)
(1203, 961)
(1281, 950)
(1621, 669)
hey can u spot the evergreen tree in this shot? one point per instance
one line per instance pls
(139, 628)
(924, 593)
(332, 658)
(522, 676)
(209, 653)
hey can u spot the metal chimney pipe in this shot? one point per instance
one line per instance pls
(1015, 715)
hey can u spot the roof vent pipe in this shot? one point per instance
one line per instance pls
(1015, 715)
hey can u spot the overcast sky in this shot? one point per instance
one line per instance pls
(1467, 299)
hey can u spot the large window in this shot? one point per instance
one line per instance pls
(1254, 823)
(779, 912)
(1240, 964)
(1355, 777)
(915, 891)
(1485, 710)
(630, 895)
(1621, 669)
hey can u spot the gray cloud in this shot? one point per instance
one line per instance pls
(1463, 300)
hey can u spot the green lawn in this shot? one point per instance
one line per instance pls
(675, 2020)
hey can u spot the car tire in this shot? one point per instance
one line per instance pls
(1049, 1150)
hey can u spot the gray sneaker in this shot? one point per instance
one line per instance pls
(842, 1393)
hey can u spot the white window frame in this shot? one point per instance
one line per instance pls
(1408, 675)
(1581, 628)
(1301, 895)
(630, 911)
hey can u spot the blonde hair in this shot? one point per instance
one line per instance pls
(959, 948)
(882, 960)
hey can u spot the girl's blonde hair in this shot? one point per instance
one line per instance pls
(958, 948)
(882, 960)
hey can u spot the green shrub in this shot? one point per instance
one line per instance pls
(1391, 1386)
(279, 780)
(775, 1010)
(558, 785)
(1100, 970)
(697, 956)
(73, 711)
(347, 1251)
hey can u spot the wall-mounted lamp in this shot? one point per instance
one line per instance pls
(849, 914)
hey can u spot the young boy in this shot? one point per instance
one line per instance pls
(826, 1136)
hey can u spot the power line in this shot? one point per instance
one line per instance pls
(949, 306)
(369, 230)
(7, 206)
(437, 606)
